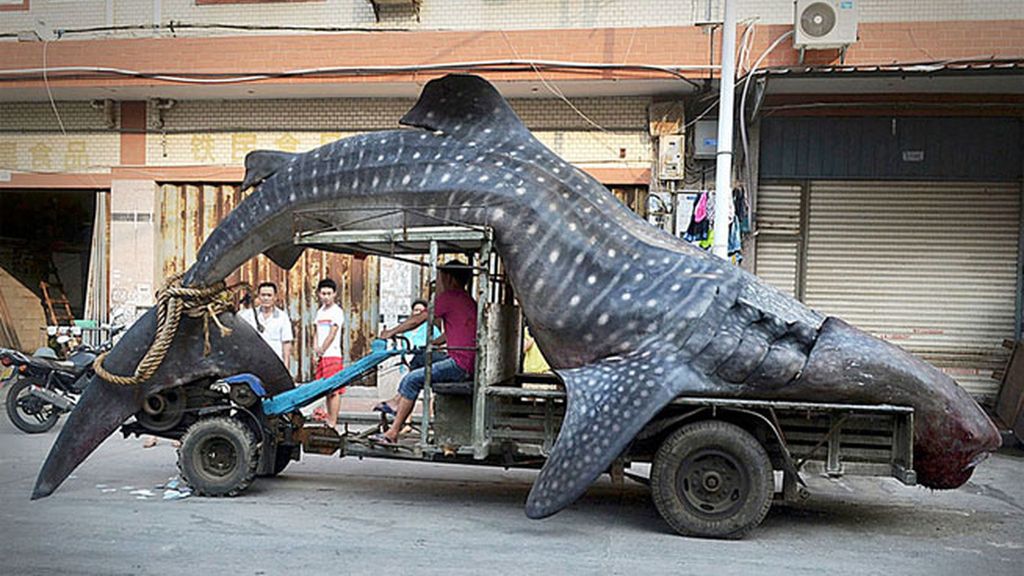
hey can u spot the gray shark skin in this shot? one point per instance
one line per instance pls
(109, 405)
(627, 315)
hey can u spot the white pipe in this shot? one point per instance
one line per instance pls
(723, 168)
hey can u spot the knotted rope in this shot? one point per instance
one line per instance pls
(172, 301)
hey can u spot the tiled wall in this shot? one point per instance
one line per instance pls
(219, 132)
(472, 14)
(31, 139)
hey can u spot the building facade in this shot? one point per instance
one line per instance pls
(135, 116)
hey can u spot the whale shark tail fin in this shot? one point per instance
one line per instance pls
(609, 403)
(465, 107)
(261, 164)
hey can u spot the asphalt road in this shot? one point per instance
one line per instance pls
(344, 516)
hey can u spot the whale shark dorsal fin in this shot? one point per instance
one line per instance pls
(284, 255)
(261, 164)
(465, 107)
(609, 402)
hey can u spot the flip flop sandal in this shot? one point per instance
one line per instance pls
(382, 439)
(385, 408)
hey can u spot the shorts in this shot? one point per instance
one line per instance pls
(329, 367)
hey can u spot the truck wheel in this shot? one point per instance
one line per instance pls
(30, 414)
(218, 457)
(712, 479)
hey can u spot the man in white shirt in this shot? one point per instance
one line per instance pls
(327, 352)
(271, 322)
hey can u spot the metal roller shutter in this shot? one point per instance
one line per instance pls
(930, 266)
(187, 215)
(779, 236)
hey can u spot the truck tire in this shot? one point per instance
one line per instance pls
(712, 479)
(218, 457)
(30, 414)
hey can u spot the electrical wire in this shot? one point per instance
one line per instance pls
(493, 65)
(49, 93)
(743, 104)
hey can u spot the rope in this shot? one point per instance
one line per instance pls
(173, 300)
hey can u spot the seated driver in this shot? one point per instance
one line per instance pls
(458, 311)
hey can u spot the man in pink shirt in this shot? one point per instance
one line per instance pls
(458, 311)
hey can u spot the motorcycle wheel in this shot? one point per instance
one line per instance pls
(28, 413)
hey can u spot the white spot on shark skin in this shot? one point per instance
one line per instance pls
(540, 179)
(457, 127)
(520, 191)
(531, 230)
(602, 319)
(376, 181)
(688, 271)
(553, 257)
(483, 178)
(627, 296)
(290, 168)
(422, 136)
(676, 287)
(416, 155)
(639, 277)
(652, 303)
(588, 210)
(292, 198)
(553, 207)
(445, 177)
(314, 172)
(579, 258)
(498, 214)
(471, 144)
(575, 300)
(380, 158)
(337, 185)
(538, 285)
(430, 114)
(459, 158)
(666, 260)
(316, 190)
(406, 179)
(572, 226)
(355, 183)
(612, 252)
(591, 279)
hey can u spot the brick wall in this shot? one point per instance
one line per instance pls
(31, 140)
(222, 132)
(476, 14)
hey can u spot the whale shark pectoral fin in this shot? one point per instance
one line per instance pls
(464, 106)
(261, 164)
(284, 255)
(609, 402)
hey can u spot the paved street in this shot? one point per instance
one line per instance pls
(331, 516)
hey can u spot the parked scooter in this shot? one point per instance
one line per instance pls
(43, 388)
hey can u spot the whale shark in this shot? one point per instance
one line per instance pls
(629, 316)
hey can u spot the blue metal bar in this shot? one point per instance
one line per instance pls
(310, 392)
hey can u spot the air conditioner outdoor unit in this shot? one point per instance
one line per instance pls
(825, 24)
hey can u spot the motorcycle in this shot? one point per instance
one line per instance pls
(43, 388)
